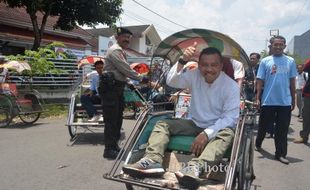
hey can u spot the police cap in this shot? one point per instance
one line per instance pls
(122, 30)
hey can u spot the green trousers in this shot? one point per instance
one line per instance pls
(213, 152)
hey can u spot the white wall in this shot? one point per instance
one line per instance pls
(104, 43)
(137, 44)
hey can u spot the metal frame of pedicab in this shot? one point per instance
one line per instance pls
(240, 173)
(26, 104)
(77, 116)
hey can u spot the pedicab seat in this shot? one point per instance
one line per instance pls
(79, 107)
(183, 144)
(180, 143)
(12, 89)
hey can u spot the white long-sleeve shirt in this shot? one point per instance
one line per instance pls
(301, 80)
(213, 106)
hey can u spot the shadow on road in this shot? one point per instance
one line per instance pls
(265, 154)
(21, 125)
(90, 139)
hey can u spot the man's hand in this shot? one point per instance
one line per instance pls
(189, 52)
(293, 105)
(199, 144)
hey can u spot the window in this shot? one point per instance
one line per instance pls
(147, 41)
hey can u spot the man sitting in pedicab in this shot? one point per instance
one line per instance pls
(214, 112)
(91, 95)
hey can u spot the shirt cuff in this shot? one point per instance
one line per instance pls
(210, 132)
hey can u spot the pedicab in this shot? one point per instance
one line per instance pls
(133, 103)
(238, 162)
(78, 120)
(27, 105)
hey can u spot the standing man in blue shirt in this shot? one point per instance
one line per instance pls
(277, 74)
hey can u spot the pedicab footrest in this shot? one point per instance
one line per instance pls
(180, 143)
(79, 107)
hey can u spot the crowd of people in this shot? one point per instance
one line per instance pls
(274, 83)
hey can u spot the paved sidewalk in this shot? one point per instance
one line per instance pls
(273, 175)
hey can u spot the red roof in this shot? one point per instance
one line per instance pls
(17, 23)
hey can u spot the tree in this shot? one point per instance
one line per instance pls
(70, 13)
(264, 53)
(296, 57)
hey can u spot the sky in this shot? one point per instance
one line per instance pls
(248, 22)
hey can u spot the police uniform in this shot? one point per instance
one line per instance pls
(116, 71)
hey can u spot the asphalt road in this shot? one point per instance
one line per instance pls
(41, 157)
(273, 175)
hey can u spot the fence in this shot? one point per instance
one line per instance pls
(52, 86)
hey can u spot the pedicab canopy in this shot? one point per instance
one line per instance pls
(89, 60)
(18, 66)
(141, 68)
(173, 46)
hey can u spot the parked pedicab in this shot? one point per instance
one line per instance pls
(133, 103)
(26, 104)
(78, 120)
(238, 161)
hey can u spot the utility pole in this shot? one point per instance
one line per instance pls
(274, 32)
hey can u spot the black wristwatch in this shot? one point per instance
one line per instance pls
(182, 62)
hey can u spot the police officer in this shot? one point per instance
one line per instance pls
(116, 70)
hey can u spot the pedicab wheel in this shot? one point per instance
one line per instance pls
(246, 172)
(72, 131)
(30, 118)
(129, 186)
(6, 111)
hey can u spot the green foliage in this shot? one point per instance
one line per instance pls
(58, 54)
(298, 59)
(69, 55)
(70, 13)
(84, 12)
(54, 110)
(52, 45)
(264, 54)
(38, 61)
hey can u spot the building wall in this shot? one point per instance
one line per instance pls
(137, 44)
(104, 43)
(290, 46)
(300, 45)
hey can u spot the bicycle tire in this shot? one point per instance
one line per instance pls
(246, 165)
(72, 131)
(30, 118)
(6, 111)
